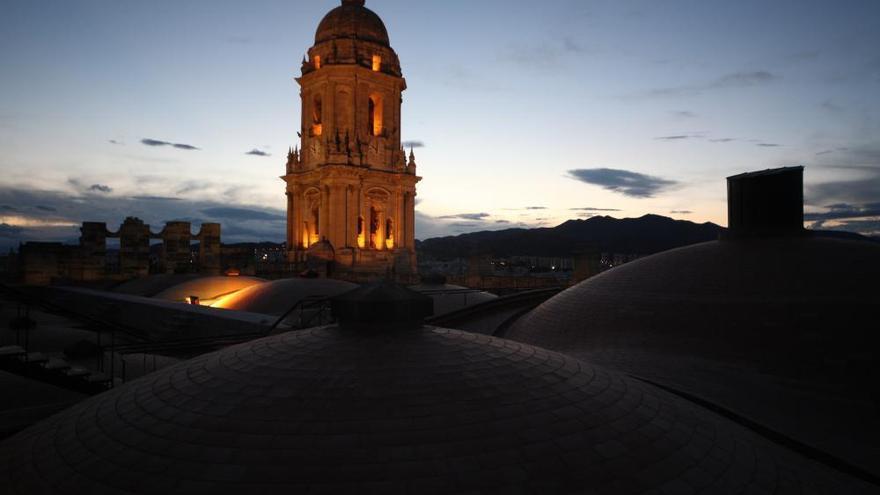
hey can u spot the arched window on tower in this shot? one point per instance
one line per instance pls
(317, 115)
(389, 234)
(317, 62)
(375, 115)
(361, 236)
(377, 63)
(374, 228)
(316, 226)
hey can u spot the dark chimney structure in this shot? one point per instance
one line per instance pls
(768, 203)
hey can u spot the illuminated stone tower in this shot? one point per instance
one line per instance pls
(350, 188)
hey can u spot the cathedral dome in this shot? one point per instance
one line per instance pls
(786, 293)
(757, 325)
(352, 20)
(373, 406)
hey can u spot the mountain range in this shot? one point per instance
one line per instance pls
(644, 235)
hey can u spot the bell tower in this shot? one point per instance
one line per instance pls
(350, 188)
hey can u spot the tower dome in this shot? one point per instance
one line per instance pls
(352, 20)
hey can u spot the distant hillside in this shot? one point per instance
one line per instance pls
(644, 235)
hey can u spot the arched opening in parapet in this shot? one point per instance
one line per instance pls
(375, 115)
(154, 254)
(112, 255)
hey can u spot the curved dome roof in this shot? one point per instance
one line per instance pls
(764, 327)
(352, 20)
(207, 288)
(278, 296)
(424, 410)
(154, 284)
(758, 273)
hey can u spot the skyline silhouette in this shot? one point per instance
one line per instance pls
(571, 109)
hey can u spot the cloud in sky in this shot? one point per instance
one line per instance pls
(231, 213)
(684, 114)
(625, 182)
(413, 144)
(82, 188)
(768, 145)
(191, 186)
(429, 226)
(828, 152)
(722, 140)
(590, 208)
(157, 143)
(677, 137)
(56, 215)
(257, 152)
(840, 211)
(535, 207)
(853, 203)
(864, 218)
(101, 188)
(681, 212)
(155, 198)
(864, 190)
(733, 80)
(546, 54)
(465, 216)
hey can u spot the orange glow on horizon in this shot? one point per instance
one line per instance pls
(24, 221)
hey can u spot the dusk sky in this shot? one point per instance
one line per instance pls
(523, 113)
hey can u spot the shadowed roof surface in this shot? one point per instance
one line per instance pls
(425, 410)
(781, 331)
